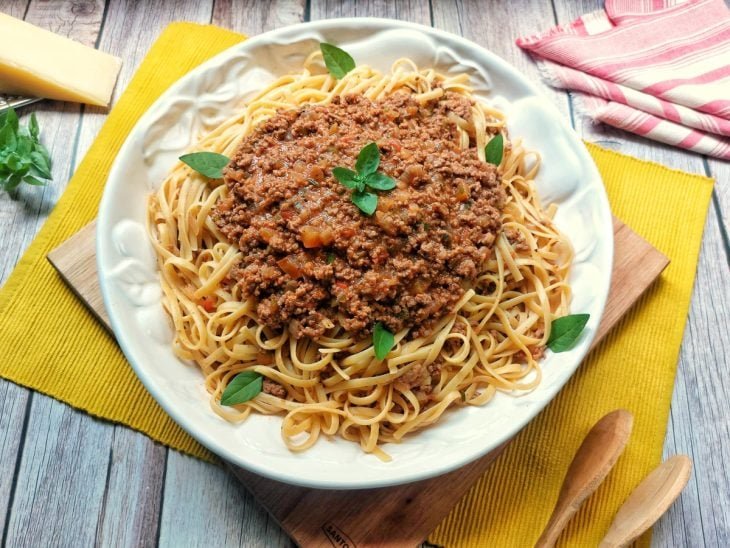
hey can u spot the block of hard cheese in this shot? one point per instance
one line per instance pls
(38, 63)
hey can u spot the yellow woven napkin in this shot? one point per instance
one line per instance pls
(71, 356)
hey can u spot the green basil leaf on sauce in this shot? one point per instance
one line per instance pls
(366, 201)
(366, 174)
(337, 61)
(565, 331)
(368, 160)
(244, 386)
(380, 181)
(346, 176)
(330, 258)
(210, 164)
(494, 150)
(383, 341)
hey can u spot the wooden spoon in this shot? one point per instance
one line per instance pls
(596, 456)
(648, 502)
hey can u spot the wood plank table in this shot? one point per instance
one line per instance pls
(67, 479)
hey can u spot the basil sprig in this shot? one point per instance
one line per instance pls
(244, 386)
(23, 159)
(383, 341)
(210, 164)
(494, 150)
(365, 176)
(564, 331)
(337, 61)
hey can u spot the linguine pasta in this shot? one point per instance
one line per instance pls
(492, 341)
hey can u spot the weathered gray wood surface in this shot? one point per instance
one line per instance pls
(67, 479)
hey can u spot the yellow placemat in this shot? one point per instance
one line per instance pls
(73, 359)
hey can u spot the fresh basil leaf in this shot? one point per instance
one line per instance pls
(33, 126)
(22, 157)
(33, 171)
(494, 150)
(368, 160)
(33, 181)
(10, 162)
(15, 163)
(17, 145)
(366, 201)
(12, 182)
(380, 181)
(383, 341)
(40, 149)
(244, 386)
(346, 176)
(8, 139)
(337, 61)
(210, 164)
(40, 163)
(565, 331)
(367, 164)
(11, 119)
(25, 145)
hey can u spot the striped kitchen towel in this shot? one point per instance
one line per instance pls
(657, 68)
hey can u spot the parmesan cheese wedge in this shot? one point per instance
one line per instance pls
(39, 63)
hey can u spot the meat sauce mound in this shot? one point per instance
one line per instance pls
(312, 260)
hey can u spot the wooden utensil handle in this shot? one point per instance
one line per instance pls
(648, 501)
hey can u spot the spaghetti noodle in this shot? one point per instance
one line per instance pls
(491, 341)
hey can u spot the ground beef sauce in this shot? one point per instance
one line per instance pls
(313, 260)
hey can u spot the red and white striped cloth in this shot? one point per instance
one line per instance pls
(657, 68)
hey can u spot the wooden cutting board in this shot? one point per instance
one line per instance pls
(394, 516)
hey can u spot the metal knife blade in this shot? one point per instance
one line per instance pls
(14, 101)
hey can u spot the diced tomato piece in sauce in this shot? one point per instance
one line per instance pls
(208, 303)
(266, 234)
(347, 232)
(311, 237)
(462, 192)
(290, 265)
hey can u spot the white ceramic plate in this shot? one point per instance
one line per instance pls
(204, 98)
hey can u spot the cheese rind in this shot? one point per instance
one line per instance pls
(39, 63)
